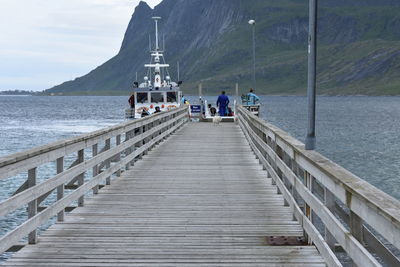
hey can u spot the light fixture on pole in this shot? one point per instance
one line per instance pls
(312, 71)
(253, 22)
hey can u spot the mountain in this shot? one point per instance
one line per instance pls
(359, 47)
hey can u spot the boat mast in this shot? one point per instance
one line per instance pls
(158, 79)
(156, 20)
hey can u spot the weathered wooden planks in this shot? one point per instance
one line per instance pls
(199, 199)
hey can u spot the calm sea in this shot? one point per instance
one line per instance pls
(359, 133)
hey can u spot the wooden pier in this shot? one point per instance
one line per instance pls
(168, 192)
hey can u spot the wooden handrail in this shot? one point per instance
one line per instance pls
(141, 136)
(18, 162)
(279, 152)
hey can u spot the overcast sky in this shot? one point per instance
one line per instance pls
(46, 42)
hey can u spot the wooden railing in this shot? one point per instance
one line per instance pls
(335, 207)
(139, 137)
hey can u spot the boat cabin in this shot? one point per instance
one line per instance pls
(146, 100)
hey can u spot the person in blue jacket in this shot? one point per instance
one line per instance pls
(222, 104)
(252, 97)
(183, 99)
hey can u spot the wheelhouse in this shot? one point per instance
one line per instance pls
(146, 100)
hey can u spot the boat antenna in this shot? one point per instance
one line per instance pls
(149, 43)
(149, 72)
(136, 76)
(163, 40)
(156, 19)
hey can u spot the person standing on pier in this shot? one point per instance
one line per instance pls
(132, 101)
(183, 100)
(252, 98)
(222, 104)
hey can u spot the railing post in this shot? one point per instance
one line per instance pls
(154, 124)
(269, 159)
(60, 189)
(272, 145)
(132, 149)
(141, 142)
(32, 206)
(291, 164)
(297, 171)
(165, 128)
(128, 151)
(81, 158)
(308, 180)
(158, 123)
(146, 140)
(118, 142)
(356, 227)
(95, 170)
(169, 124)
(329, 199)
(264, 138)
(151, 137)
(278, 152)
(108, 161)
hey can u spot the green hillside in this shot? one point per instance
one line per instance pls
(359, 47)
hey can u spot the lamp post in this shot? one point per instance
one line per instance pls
(312, 68)
(253, 22)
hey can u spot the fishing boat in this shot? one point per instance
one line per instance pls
(157, 92)
(251, 104)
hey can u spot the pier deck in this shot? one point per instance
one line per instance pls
(199, 199)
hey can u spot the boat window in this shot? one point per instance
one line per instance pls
(171, 97)
(157, 97)
(142, 98)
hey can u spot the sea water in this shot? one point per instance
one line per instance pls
(359, 133)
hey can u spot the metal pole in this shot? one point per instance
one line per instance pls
(236, 98)
(200, 90)
(312, 67)
(149, 43)
(156, 35)
(201, 99)
(254, 56)
(163, 40)
(237, 91)
(178, 70)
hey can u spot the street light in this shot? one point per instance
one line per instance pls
(312, 69)
(253, 22)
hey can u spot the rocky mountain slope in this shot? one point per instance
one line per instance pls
(359, 47)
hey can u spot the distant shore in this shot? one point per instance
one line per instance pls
(193, 94)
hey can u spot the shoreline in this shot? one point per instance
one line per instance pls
(275, 95)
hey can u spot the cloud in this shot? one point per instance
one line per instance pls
(46, 42)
